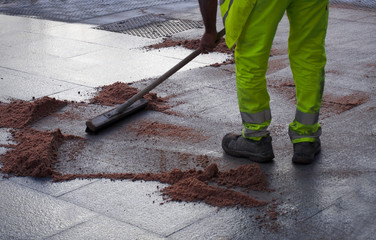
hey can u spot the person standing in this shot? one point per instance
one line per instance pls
(250, 27)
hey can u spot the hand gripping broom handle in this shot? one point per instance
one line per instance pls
(162, 78)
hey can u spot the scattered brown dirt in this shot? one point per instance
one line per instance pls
(192, 44)
(69, 116)
(19, 114)
(73, 151)
(119, 92)
(227, 62)
(193, 190)
(72, 112)
(278, 129)
(36, 153)
(371, 65)
(197, 185)
(249, 177)
(285, 86)
(336, 72)
(202, 161)
(167, 130)
(331, 104)
(278, 52)
(184, 160)
(277, 64)
(268, 219)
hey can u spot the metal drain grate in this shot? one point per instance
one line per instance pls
(151, 26)
(74, 10)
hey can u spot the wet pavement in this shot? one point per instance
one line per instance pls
(334, 198)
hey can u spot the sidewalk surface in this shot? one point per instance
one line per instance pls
(63, 55)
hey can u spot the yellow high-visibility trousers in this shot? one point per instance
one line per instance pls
(306, 48)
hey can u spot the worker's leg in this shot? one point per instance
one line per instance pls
(251, 58)
(308, 24)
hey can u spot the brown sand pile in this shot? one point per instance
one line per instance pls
(19, 114)
(34, 155)
(167, 130)
(119, 92)
(197, 185)
(115, 93)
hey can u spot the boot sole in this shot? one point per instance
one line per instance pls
(305, 160)
(251, 156)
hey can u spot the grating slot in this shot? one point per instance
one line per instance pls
(151, 26)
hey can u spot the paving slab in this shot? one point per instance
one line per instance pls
(105, 228)
(45, 185)
(139, 204)
(12, 24)
(26, 214)
(30, 86)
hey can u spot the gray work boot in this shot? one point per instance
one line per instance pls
(305, 152)
(257, 151)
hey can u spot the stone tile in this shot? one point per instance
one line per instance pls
(11, 39)
(139, 204)
(77, 94)
(60, 47)
(181, 53)
(28, 214)
(241, 224)
(337, 36)
(43, 65)
(347, 218)
(105, 228)
(76, 31)
(124, 41)
(12, 24)
(45, 185)
(125, 66)
(225, 224)
(29, 85)
(349, 14)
